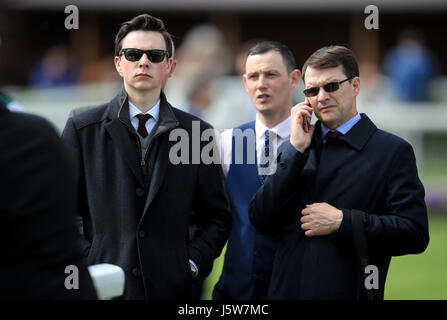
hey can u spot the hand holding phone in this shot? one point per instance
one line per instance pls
(306, 120)
(301, 130)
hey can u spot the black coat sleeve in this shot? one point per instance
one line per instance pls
(70, 137)
(403, 227)
(37, 221)
(212, 215)
(273, 203)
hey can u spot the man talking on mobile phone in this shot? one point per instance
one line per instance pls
(346, 196)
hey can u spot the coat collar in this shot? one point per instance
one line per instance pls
(119, 128)
(357, 137)
(119, 109)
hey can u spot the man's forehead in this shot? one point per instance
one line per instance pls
(268, 61)
(143, 37)
(316, 76)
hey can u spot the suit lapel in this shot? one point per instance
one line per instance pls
(125, 142)
(121, 131)
(311, 169)
(167, 122)
(160, 167)
(335, 155)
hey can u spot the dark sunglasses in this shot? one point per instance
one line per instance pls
(154, 55)
(328, 87)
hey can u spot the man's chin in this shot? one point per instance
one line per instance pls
(329, 122)
(265, 108)
(144, 87)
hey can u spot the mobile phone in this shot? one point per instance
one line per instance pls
(306, 120)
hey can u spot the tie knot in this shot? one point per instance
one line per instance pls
(334, 134)
(143, 117)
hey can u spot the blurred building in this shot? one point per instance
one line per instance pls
(28, 28)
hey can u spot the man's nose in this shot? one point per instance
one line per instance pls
(322, 95)
(261, 82)
(144, 60)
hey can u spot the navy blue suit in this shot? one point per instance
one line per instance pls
(368, 170)
(249, 256)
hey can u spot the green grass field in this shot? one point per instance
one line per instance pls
(416, 277)
(421, 277)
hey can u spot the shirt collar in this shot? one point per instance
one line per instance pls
(344, 128)
(282, 129)
(154, 111)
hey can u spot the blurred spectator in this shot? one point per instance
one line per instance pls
(203, 53)
(241, 55)
(200, 95)
(204, 50)
(411, 67)
(56, 68)
(100, 71)
(375, 86)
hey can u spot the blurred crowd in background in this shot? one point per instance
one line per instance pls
(401, 64)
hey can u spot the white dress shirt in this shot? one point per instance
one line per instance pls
(281, 132)
(154, 112)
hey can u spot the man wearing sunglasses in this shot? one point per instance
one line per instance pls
(134, 202)
(346, 195)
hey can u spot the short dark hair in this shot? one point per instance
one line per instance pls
(144, 22)
(331, 57)
(266, 46)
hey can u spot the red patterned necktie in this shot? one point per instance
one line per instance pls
(333, 134)
(142, 119)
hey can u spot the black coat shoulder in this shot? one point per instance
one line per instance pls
(88, 115)
(186, 119)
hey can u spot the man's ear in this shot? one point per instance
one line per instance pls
(118, 65)
(295, 76)
(171, 65)
(244, 78)
(356, 85)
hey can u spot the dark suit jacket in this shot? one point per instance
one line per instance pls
(367, 169)
(38, 232)
(136, 215)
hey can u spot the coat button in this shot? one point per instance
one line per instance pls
(141, 233)
(283, 165)
(136, 272)
(139, 192)
(257, 253)
(255, 276)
